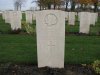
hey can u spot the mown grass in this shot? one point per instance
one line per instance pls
(22, 48)
(18, 48)
(82, 49)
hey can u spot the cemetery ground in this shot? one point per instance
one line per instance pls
(18, 52)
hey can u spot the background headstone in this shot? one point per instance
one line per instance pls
(84, 22)
(66, 16)
(50, 27)
(96, 16)
(16, 20)
(79, 14)
(92, 18)
(71, 18)
(3, 15)
(29, 17)
(7, 17)
(34, 15)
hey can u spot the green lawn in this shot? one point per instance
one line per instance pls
(21, 48)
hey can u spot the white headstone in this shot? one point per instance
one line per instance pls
(16, 20)
(84, 22)
(92, 18)
(29, 17)
(66, 16)
(50, 27)
(7, 17)
(96, 16)
(79, 16)
(76, 13)
(71, 19)
(34, 15)
(3, 15)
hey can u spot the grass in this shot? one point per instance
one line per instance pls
(82, 49)
(21, 48)
(4, 27)
(18, 49)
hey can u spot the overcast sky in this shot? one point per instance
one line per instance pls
(9, 4)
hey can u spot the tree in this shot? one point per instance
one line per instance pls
(18, 4)
(84, 1)
(47, 3)
(95, 2)
(66, 2)
(56, 3)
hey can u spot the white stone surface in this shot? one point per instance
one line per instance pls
(79, 13)
(34, 15)
(76, 13)
(71, 19)
(3, 15)
(66, 16)
(7, 17)
(29, 17)
(15, 20)
(50, 28)
(96, 16)
(92, 18)
(84, 22)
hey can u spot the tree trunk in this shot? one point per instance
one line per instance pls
(54, 5)
(66, 6)
(17, 7)
(49, 6)
(95, 7)
(20, 7)
(73, 6)
(40, 7)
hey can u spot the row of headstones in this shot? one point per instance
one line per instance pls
(14, 18)
(30, 16)
(50, 26)
(71, 17)
(85, 20)
(50, 29)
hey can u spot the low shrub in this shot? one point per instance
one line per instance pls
(29, 29)
(96, 66)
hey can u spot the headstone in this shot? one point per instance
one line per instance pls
(84, 22)
(66, 16)
(92, 18)
(34, 15)
(16, 20)
(29, 17)
(79, 13)
(3, 15)
(50, 27)
(96, 16)
(71, 19)
(10, 17)
(76, 13)
(7, 17)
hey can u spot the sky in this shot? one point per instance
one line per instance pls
(9, 5)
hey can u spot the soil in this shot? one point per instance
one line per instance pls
(10, 69)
